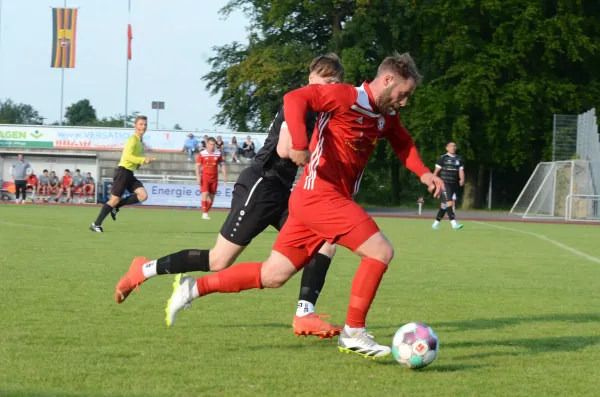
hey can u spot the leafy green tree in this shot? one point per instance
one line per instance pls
(18, 113)
(80, 113)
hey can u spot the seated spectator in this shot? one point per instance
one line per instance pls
(89, 186)
(220, 145)
(32, 183)
(43, 186)
(77, 182)
(53, 185)
(66, 186)
(190, 146)
(234, 149)
(248, 148)
(203, 143)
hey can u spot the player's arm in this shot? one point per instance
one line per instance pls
(224, 171)
(404, 147)
(198, 172)
(128, 153)
(461, 174)
(438, 166)
(316, 97)
(285, 142)
(12, 172)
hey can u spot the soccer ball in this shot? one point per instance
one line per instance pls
(415, 345)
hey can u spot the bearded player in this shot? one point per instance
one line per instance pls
(260, 199)
(207, 174)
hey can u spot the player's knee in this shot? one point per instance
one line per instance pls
(142, 196)
(387, 253)
(218, 263)
(276, 271)
(328, 250)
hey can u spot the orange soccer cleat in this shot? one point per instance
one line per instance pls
(131, 280)
(312, 324)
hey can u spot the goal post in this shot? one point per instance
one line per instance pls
(582, 208)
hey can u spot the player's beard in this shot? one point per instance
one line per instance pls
(385, 104)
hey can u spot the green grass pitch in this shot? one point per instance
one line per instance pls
(516, 315)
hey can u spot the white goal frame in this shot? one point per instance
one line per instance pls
(569, 208)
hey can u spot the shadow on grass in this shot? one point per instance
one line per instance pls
(528, 346)
(257, 325)
(440, 368)
(496, 323)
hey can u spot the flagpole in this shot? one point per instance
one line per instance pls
(127, 67)
(62, 85)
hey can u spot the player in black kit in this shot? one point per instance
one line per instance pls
(260, 198)
(450, 168)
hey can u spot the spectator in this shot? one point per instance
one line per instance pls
(190, 146)
(32, 183)
(77, 183)
(248, 148)
(89, 186)
(234, 149)
(203, 143)
(43, 188)
(220, 145)
(18, 171)
(53, 185)
(66, 186)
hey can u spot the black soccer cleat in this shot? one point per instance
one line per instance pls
(96, 228)
(113, 213)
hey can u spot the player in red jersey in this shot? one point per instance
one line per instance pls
(207, 174)
(321, 207)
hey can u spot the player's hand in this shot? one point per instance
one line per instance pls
(461, 182)
(299, 157)
(148, 160)
(435, 185)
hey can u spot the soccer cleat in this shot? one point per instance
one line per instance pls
(113, 213)
(459, 226)
(131, 280)
(205, 215)
(311, 324)
(435, 227)
(362, 344)
(96, 228)
(181, 298)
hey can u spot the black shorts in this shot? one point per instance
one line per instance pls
(124, 180)
(257, 202)
(449, 192)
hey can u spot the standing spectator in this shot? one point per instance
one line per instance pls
(66, 186)
(220, 145)
(190, 146)
(18, 171)
(32, 183)
(234, 149)
(43, 187)
(89, 186)
(77, 183)
(248, 148)
(53, 185)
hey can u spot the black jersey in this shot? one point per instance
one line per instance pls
(449, 166)
(268, 162)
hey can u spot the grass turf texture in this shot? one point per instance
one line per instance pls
(516, 315)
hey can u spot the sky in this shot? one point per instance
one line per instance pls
(171, 44)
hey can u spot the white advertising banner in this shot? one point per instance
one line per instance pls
(185, 195)
(95, 138)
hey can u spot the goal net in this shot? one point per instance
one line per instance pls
(582, 207)
(552, 187)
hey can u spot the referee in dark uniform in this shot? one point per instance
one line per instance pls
(450, 168)
(124, 179)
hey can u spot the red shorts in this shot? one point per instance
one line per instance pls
(209, 185)
(319, 216)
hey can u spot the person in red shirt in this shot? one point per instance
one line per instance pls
(32, 183)
(65, 186)
(207, 174)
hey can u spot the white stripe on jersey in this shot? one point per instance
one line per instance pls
(309, 183)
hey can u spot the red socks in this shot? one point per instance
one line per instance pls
(234, 279)
(364, 287)
(209, 205)
(204, 206)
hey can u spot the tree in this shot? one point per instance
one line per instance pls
(177, 127)
(80, 113)
(116, 121)
(18, 113)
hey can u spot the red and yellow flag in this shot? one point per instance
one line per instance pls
(64, 29)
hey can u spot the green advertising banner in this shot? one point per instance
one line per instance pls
(28, 138)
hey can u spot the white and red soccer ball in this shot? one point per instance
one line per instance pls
(415, 345)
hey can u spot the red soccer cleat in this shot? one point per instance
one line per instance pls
(131, 280)
(312, 324)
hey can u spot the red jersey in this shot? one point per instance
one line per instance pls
(32, 180)
(345, 135)
(67, 180)
(210, 163)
